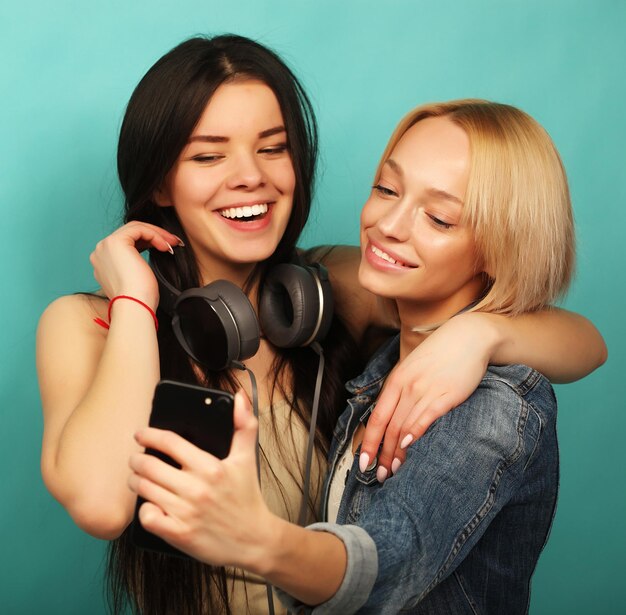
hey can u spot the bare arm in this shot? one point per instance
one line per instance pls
(96, 386)
(562, 345)
(444, 370)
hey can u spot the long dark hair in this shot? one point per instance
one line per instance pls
(160, 116)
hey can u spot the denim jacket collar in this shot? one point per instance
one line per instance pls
(371, 380)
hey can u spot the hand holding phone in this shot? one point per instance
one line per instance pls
(202, 416)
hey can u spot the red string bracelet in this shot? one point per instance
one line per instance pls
(106, 325)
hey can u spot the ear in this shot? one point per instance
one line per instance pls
(161, 196)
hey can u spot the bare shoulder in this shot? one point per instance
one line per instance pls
(69, 343)
(73, 312)
(336, 256)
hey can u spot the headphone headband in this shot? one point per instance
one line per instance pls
(217, 325)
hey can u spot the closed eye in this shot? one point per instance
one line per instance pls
(383, 190)
(274, 150)
(440, 223)
(207, 158)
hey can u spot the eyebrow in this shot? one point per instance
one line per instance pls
(435, 193)
(270, 132)
(442, 195)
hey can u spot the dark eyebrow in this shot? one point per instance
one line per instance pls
(208, 139)
(270, 132)
(435, 193)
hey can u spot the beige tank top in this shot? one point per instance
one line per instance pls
(283, 441)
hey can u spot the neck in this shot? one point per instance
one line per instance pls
(410, 340)
(237, 273)
(419, 319)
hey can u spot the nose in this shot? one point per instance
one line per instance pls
(246, 173)
(396, 223)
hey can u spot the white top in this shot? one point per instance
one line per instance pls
(338, 482)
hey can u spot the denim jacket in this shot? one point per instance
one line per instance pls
(459, 528)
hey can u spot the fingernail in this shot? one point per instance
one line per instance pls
(406, 441)
(170, 249)
(395, 464)
(181, 243)
(364, 461)
(381, 474)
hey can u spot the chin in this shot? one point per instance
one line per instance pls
(375, 282)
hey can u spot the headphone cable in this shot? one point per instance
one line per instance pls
(255, 410)
(311, 443)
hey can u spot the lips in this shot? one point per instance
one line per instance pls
(385, 256)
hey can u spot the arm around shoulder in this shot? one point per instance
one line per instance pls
(562, 345)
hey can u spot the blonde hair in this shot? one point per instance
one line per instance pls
(517, 202)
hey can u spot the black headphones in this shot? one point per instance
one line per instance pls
(217, 325)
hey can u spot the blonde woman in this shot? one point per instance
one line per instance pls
(469, 211)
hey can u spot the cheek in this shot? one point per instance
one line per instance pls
(190, 187)
(285, 177)
(368, 215)
(463, 262)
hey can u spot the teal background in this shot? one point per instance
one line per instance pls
(66, 72)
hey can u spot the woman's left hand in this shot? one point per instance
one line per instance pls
(211, 509)
(441, 373)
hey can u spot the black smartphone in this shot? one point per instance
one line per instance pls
(202, 416)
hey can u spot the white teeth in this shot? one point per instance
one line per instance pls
(383, 255)
(247, 211)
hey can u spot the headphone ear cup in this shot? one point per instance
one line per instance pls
(295, 307)
(244, 316)
(216, 324)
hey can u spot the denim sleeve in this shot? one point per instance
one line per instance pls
(361, 570)
(426, 518)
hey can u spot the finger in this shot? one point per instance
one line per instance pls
(377, 424)
(391, 440)
(144, 235)
(424, 415)
(136, 226)
(417, 421)
(152, 492)
(246, 428)
(398, 459)
(174, 531)
(155, 520)
(154, 240)
(183, 452)
(158, 472)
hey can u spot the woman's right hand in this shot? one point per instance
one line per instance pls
(120, 269)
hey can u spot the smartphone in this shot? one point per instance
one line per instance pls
(202, 416)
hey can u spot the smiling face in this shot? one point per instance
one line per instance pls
(415, 246)
(233, 183)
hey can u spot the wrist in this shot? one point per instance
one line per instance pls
(129, 302)
(490, 334)
(149, 299)
(265, 559)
